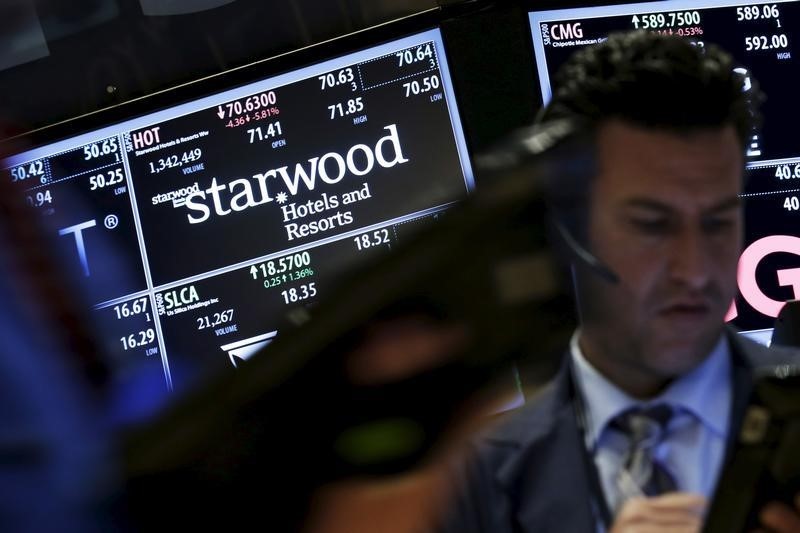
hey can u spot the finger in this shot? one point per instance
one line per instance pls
(780, 517)
(678, 500)
(658, 529)
(669, 523)
(674, 514)
(674, 506)
(642, 526)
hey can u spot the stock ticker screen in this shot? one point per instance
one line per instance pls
(197, 226)
(763, 37)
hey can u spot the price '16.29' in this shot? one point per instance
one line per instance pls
(139, 339)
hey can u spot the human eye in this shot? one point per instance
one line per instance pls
(719, 224)
(650, 225)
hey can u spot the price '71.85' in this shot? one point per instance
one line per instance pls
(354, 105)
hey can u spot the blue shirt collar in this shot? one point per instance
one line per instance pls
(705, 392)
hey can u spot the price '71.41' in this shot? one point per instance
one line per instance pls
(259, 133)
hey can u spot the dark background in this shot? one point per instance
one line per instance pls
(60, 60)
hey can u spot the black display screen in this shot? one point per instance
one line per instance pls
(761, 36)
(197, 226)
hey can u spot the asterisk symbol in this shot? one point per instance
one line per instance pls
(281, 198)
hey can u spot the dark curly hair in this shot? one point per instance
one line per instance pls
(655, 81)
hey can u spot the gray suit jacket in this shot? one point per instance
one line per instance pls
(530, 474)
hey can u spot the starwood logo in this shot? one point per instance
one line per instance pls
(330, 168)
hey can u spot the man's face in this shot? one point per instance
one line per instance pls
(665, 217)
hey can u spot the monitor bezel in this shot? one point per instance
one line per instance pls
(253, 72)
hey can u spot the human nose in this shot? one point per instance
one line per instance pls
(691, 259)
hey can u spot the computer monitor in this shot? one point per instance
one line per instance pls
(762, 36)
(198, 220)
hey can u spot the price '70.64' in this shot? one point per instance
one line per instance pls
(420, 53)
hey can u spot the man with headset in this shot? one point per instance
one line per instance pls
(631, 435)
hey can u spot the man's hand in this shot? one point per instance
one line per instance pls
(781, 518)
(675, 512)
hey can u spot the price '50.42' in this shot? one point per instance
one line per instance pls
(26, 171)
